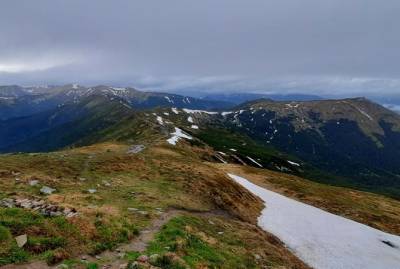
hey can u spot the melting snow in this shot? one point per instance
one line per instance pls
(168, 99)
(190, 119)
(177, 135)
(166, 113)
(232, 149)
(160, 120)
(293, 163)
(321, 239)
(254, 161)
(198, 111)
(194, 127)
(175, 110)
(226, 113)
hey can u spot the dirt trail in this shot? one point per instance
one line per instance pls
(112, 259)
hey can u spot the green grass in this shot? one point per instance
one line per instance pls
(176, 237)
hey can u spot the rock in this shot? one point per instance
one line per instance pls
(33, 182)
(142, 258)
(121, 255)
(132, 209)
(135, 149)
(82, 179)
(132, 265)
(21, 240)
(7, 202)
(143, 212)
(153, 259)
(257, 257)
(47, 190)
(92, 191)
(220, 233)
(106, 183)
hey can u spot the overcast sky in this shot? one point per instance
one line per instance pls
(313, 46)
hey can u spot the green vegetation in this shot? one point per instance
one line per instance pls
(198, 243)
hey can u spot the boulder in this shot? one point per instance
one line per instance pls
(47, 190)
(21, 240)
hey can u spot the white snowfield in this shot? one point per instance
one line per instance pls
(177, 135)
(321, 239)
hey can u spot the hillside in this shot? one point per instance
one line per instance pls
(349, 142)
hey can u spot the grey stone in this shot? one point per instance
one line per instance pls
(47, 190)
(21, 240)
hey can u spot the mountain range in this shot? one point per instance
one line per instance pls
(351, 142)
(120, 178)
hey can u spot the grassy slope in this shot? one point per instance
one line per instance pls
(160, 177)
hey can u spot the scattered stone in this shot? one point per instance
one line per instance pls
(143, 212)
(142, 258)
(39, 206)
(135, 149)
(211, 222)
(132, 209)
(106, 183)
(121, 255)
(153, 259)
(82, 179)
(17, 179)
(92, 191)
(33, 182)
(47, 190)
(220, 233)
(257, 257)
(97, 257)
(7, 202)
(21, 240)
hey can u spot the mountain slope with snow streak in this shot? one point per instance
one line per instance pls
(321, 239)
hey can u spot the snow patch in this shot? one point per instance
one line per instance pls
(226, 113)
(177, 135)
(169, 99)
(190, 119)
(321, 239)
(175, 110)
(160, 120)
(194, 126)
(192, 111)
(254, 161)
(293, 163)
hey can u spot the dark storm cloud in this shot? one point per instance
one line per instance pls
(311, 45)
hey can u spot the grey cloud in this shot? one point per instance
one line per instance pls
(258, 45)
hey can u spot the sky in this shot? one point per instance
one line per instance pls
(329, 47)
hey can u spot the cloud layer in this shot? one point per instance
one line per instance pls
(258, 45)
